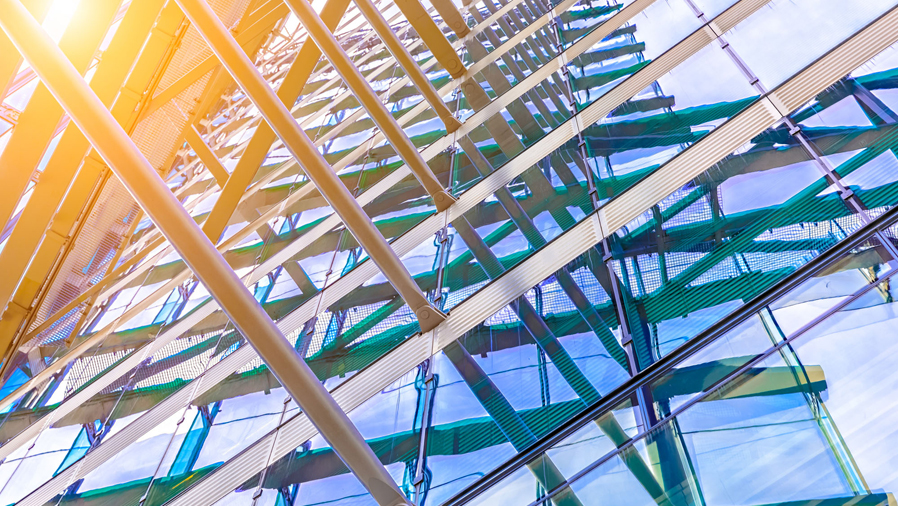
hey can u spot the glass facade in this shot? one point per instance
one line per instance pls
(666, 271)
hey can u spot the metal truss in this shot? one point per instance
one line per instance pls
(562, 250)
(260, 205)
(365, 270)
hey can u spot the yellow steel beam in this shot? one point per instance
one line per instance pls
(130, 107)
(127, 109)
(9, 57)
(27, 75)
(274, 11)
(307, 46)
(255, 28)
(205, 154)
(239, 193)
(254, 154)
(9, 114)
(329, 84)
(58, 175)
(362, 59)
(387, 124)
(40, 117)
(255, 24)
(92, 167)
(434, 39)
(451, 17)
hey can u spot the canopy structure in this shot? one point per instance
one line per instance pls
(535, 252)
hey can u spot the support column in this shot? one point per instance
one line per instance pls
(136, 173)
(325, 40)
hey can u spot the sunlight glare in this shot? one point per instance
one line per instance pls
(57, 19)
(59, 16)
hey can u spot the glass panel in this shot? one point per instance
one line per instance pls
(759, 439)
(387, 420)
(730, 351)
(850, 349)
(773, 41)
(724, 238)
(242, 421)
(673, 113)
(850, 124)
(521, 373)
(865, 264)
(584, 17)
(28, 467)
(658, 28)
(132, 469)
(552, 468)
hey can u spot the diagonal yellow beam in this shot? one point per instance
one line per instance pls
(451, 17)
(80, 196)
(44, 226)
(293, 268)
(334, 131)
(264, 17)
(9, 57)
(100, 288)
(164, 40)
(253, 27)
(256, 29)
(433, 37)
(206, 155)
